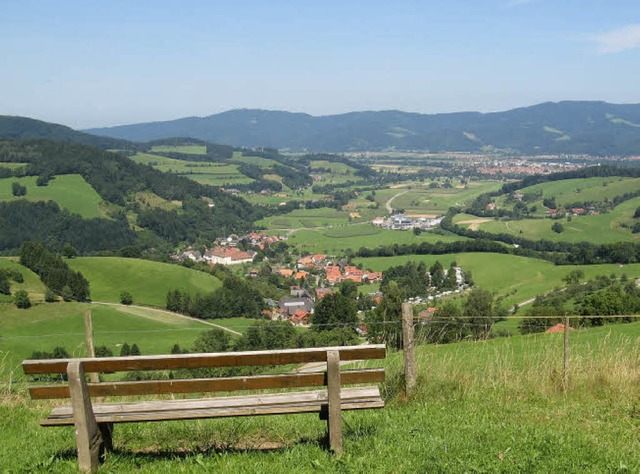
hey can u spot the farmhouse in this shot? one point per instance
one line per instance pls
(228, 256)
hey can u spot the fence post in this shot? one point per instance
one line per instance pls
(566, 354)
(408, 344)
(88, 333)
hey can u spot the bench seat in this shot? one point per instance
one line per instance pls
(313, 401)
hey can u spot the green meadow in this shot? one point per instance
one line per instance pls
(147, 281)
(70, 191)
(337, 240)
(186, 149)
(492, 406)
(598, 229)
(516, 278)
(32, 284)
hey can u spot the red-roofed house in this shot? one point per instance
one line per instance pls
(322, 292)
(300, 318)
(301, 275)
(559, 328)
(285, 272)
(228, 256)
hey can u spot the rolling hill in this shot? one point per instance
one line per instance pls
(596, 128)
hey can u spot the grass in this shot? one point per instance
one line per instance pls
(337, 240)
(31, 284)
(147, 281)
(70, 191)
(598, 229)
(492, 406)
(186, 149)
(516, 278)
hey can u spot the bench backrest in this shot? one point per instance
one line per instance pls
(208, 360)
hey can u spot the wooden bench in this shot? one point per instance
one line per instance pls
(94, 420)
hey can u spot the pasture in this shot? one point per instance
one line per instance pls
(147, 281)
(186, 149)
(70, 191)
(517, 279)
(492, 406)
(336, 240)
(32, 284)
(597, 229)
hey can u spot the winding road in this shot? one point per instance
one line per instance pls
(388, 203)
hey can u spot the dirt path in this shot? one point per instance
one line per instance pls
(178, 315)
(388, 203)
(474, 224)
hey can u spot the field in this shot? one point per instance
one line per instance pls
(492, 406)
(418, 198)
(70, 191)
(598, 229)
(337, 240)
(186, 149)
(147, 281)
(31, 284)
(306, 218)
(213, 174)
(518, 279)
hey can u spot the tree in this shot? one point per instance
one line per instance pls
(126, 298)
(66, 293)
(573, 277)
(384, 324)
(21, 299)
(557, 227)
(215, 340)
(125, 350)
(18, 190)
(103, 351)
(69, 251)
(334, 309)
(349, 288)
(135, 350)
(5, 286)
(437, 274)
(50, 296)
(417, 231)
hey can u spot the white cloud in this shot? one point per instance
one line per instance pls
(621, 39)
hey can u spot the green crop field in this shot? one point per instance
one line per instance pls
(494, 406)
(336, 240)
(31, 284)
(213, 174)
(238, 157)
(70, 191)
(598, 229)
(306, 218)
(147, 281)
(186, 149)
(517, 278)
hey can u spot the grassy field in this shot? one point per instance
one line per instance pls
(599, 229)
(70, 191)
(517, 278)
(337, 240)
(147, 281)
(307, 218)
(31, 284)
(186, 149)
(492, 406)
(213, 174)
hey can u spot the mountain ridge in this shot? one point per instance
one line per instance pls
(579, 127)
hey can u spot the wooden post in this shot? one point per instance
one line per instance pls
(88, 333)
(408, 344)
(88, 434)
(566, 354)
(334, 418)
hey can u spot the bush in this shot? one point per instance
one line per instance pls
(21, 299)
(50, 296)
(126, 298)
(18, 190)
(103, 351)
(125, 350)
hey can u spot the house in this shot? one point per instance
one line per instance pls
(322, 292)
(228, 256)
(372, 276)
(300, 318)
(192, 255)
(578, 211)
(378, 221)
(333, 274)
(491, 206)
(558, 328)
(353, 273)
(285, 272)
(254, 272)
(318, 258)
(301, 275)
(290, 304)
(305, 262)
(298, 292)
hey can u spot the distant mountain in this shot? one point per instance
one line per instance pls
(596, 128)
(22, 127)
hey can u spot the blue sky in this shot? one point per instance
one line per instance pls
(94, 63)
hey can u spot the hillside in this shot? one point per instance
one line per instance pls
(147, 281)
(596, 128)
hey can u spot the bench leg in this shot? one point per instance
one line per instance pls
(334, 418)
(106, 430)
(88, 434)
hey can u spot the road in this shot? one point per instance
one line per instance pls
(388, 204)
(178, 315)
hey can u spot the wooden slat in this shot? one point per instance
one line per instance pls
(193, 361)
(222, 384)
(306, 402)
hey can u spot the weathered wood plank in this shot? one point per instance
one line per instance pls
(222, 384)
(334, 418)
(192, 361)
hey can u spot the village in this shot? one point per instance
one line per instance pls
(405, 222)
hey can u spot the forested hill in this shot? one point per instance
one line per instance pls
(596, 128)
(117, 180)
(22, 127)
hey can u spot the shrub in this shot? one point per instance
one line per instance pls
(126, 298)
(21, 299)
(125, 350)
(103, 351)
(50, 296)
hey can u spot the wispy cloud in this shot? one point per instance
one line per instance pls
(621, 39)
